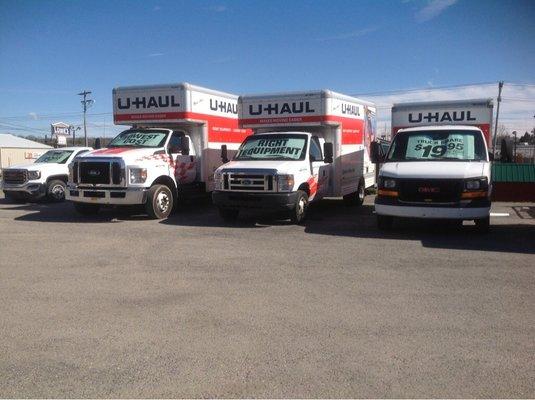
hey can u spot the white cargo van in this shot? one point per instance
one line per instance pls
(305, 146)
(170, 150)
(438, 165)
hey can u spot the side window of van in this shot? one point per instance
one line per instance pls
(315, 149)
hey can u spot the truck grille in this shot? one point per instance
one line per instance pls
(104, 172)
(245, 182)
(15, 176)
(430, 190)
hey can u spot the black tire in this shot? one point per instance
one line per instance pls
(228, 214)
(384, 222)
(86, 209)
(483, 224)
(299, 212)
(55, 191)
(356, 199)
(159, 202)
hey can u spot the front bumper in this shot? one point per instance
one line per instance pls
(111, 196)
(34, 189)
(469, 209)
(261, 201)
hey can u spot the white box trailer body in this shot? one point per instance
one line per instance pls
(193, 123)
(476, 112)
(346, 123)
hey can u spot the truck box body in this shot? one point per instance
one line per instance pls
(459, 112)
(346, 122)
(209, 116)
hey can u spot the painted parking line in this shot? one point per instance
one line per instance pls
(499, 214)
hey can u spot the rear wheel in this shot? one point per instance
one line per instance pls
(483, 224)
(86, 209)
(159, 202)
(356, 198)
(228, 214)
(55, 190)
(299, 212)
(384, 222)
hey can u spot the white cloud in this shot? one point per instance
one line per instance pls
(350, 35)
(33, 115)
(155, 54)
(516, 109)
(433, 9)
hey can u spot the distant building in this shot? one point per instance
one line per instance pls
(17, 150)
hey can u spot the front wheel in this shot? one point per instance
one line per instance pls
(483, 224)
(86, 209)
(299, 212)
(159, 202)
(55, 191)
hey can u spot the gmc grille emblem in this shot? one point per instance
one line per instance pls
(428, 190)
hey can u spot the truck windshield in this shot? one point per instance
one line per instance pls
(440, 145)
(139, 138)
(273, 147)
(55, 157)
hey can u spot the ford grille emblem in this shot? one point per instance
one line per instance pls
(247, 182)
(93, 172)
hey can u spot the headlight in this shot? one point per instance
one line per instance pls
(285, 183)
(389, 183)
(218, 180)
(138, 175)
(34, 175)
(476, 184)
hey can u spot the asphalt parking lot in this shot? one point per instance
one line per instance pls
(123, 306)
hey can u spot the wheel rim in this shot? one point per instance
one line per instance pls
(162, 202)
(361, 193)
(58, 192)
(301, 205)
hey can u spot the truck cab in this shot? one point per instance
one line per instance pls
(435, 172)
(274, 171)
(45, 178)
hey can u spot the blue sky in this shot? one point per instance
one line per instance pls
(51, 50)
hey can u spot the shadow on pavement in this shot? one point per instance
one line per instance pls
(327, 217)
(64, 212)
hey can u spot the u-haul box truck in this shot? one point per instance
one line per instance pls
(305, 146)
(171, 148)
(438, 163)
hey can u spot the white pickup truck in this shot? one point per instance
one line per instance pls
(438, 165)
(45, 178)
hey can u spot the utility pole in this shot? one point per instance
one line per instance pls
(85, 103)
(500, 86)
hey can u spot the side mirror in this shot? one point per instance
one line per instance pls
(184, 146)
(224, 153)
(328, 153)
(376, 154)
(97, 143)
(491, 156)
